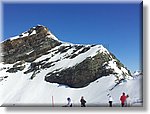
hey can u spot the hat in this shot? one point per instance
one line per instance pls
(68, 98)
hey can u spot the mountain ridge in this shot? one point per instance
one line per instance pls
(74, 65)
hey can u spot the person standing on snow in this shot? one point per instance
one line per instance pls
(128, 101)
(82, 102)
(123, 99)
(110, 99)
(69, 104)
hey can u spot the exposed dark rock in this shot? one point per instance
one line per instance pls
(83, 73)
(84, 50)
(33, 67)
(17, 49)
(34, 74)
(63, 49)
(47, 65)
(73, 56)
(19, 63)
(5, 76)
(15, 69)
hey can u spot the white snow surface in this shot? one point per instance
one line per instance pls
(112, 64)
(18, 89)
(14, 37)
(34, 32)
(24, 34)
(52, 36)
(137, 72)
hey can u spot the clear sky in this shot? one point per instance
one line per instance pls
(117, 26)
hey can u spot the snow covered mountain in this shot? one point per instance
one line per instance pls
(137, 73)
(36, 66)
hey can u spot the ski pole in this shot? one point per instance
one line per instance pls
(52, 101)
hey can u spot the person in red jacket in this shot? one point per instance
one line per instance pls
(123, 99)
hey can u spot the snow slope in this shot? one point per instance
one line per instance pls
(18, 89)
(67, 62)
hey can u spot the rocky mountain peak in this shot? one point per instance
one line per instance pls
(39, 29)
(37, 51)
(29, 45)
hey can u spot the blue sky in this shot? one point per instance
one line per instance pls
(116, 26)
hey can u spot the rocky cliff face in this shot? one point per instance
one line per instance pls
(89, 70)
(29, 45)
(38, 51)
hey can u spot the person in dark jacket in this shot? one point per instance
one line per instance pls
(110, 100)
(82, 102)
(69, 102)
(123, 99)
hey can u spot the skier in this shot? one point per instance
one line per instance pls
(110, 100)
(82, 102)
(69, 104)
(123, 99)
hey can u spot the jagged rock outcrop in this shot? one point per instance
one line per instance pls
(30, 46)
(85, 72)
(81, 74)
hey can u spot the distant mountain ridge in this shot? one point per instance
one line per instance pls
(75, 65)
